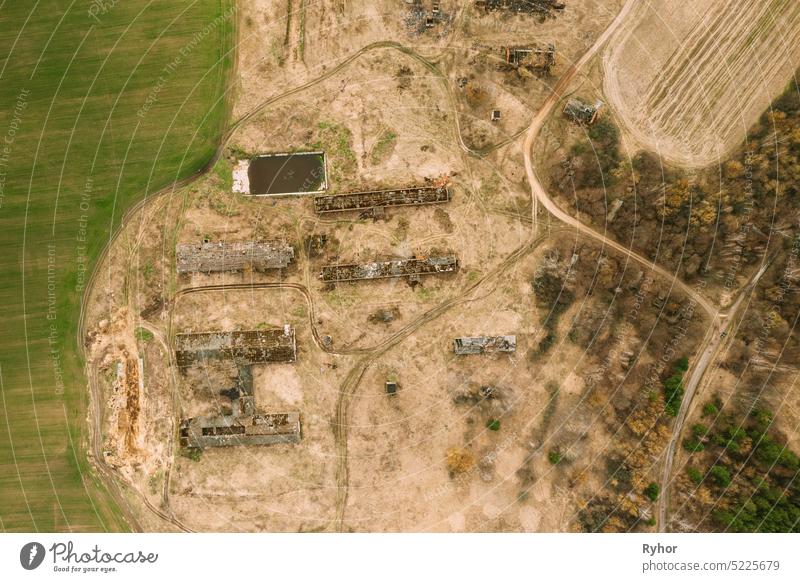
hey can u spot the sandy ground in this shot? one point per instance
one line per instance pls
(689, 78)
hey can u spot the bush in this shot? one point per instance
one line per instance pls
(695, 475)
(192, 453)
(554, 457)
(652, 491)
(699, 430)
(710, 409)
(693, 445)
(493, 424)
(720, 475)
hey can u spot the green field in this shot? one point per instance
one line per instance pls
(100, 103)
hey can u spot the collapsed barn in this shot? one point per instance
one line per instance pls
(521, 6)
(535, 59)
(243, 426)
(464, 346)
(208, 257)
(243, 347)
(582, 113)
(411, 268)
(235, 429)
(370, 200)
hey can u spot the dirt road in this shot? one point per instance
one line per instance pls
(539, 195)
(710, 349)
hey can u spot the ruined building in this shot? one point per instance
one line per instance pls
(243, 347)
(521, 6)
(580, 112)
(244, 425)
(464, 346)
(209, 257)
(382, 199)
(411, 268)
(535, 59)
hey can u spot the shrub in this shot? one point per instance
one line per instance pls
(720, 475)
(554, 457)
(493, 424)
(693, 445)
(459, 460)
(695, 475)
(652, 491)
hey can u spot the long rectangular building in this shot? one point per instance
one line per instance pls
(232, 430)
(246, 347)
(412, 268)
(382, 199)
(210, 257)
(464, 346)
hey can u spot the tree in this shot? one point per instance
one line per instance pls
(652, 491)
(720, 475)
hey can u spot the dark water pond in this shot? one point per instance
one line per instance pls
(287, 173)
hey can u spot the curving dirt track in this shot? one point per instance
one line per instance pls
(689, 78)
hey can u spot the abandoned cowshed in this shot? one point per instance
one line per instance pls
(532, 58)
(234, 429)
(244, 347)
(521, 6)
(218, 257)
(580, 112)
(243, 426)
(464, 346)
(414, 196)
(411, 268)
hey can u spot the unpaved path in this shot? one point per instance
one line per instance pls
(710, 349)
(539, 194)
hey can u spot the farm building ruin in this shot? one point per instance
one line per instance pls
(411, 268)
(243, 426)
(244, 347)
(236, 429)
(464, 346)
(420, 18)
(414, 196)
(521, 6)
(537, 59)
(580, 112)
(208, 257)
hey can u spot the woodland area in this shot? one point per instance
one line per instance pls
(717, 224)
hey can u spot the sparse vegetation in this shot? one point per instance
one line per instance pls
(336, 140)
(459, 460)
(383, 147)
(143, 335)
